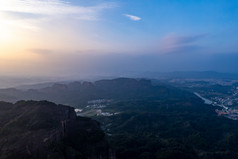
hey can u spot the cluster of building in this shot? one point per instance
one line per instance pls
(96, 107)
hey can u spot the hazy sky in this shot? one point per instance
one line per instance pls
(76, 37)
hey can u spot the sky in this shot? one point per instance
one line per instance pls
(80, 37)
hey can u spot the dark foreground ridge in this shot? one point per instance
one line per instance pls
(44, 130)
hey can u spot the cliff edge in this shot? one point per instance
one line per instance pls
(44, 130)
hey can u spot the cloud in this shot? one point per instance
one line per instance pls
(34, 8)
(132, 17)
(53, 8)
(40, 51)
(28, 14)
(20, 15)
(175, 43)
(174, 39)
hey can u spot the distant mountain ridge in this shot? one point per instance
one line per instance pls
(36, 82)
(191, 75)
(79, 93)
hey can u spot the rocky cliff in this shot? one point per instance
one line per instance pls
(44, 130)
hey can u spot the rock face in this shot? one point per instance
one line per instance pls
(44, 130)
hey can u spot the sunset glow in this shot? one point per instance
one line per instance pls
(61, 33)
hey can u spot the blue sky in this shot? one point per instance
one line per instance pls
(122, 35)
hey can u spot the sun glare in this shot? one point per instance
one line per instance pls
(5, 32)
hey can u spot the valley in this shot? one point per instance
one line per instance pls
(141, 119)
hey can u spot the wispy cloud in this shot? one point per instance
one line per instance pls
(174, 43)
(28, 12)
(52, 8)
(40, 51)
(133, 17)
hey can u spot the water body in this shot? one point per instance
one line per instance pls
(206, 101)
